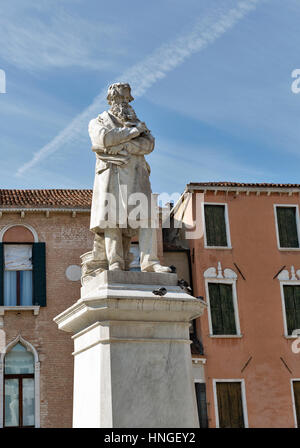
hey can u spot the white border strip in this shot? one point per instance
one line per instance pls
(28, 226)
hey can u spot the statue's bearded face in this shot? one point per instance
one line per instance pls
(120, 106)
(124, 112)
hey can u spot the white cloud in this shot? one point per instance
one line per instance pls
(36, 42)
(154, 67)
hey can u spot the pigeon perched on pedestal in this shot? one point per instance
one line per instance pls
(185, 286)
(160, 291)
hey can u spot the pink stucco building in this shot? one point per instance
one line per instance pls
(245, 261)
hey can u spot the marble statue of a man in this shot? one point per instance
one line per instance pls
(120, 141)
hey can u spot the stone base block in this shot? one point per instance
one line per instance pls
(132, 365)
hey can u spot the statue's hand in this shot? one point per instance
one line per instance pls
(142, 128)
(113, 150)
(130, 124)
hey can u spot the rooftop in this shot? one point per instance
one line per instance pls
(242, 185)
(79, 199)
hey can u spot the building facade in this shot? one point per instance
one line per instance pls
(237, 245)
(244, 243)
(42, 235)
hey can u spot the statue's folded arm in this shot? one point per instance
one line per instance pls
(104, 137)
(141, 145)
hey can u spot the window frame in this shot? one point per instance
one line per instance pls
(19, 377)
(297, 225)
(36, 374)
(18, 304)
(292, 380)
(227, 281)
(243, 394)
(282, 284)
(227, 227)
(39, 280)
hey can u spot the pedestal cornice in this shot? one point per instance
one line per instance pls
(128, 296)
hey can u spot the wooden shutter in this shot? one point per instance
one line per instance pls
(215, 308)
(230, 405)
(296, 387)
(287, 226)
(227, 309)
(292, 307)
(201, 404)
(221, 308)
(297, 306)
(1, 274)
(39, 273)
(215, 225)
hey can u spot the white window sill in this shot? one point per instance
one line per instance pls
(226, 336)
(34, 309)
(289, 248)
(291, 336)
(199, 360)
(218, 247)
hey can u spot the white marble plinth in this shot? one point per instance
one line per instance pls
(132, 365)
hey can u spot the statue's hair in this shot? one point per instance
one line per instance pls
(113, 92)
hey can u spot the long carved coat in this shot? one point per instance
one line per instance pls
(127, 168)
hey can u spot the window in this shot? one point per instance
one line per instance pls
(230, 404)
(22, 274)
(216, 227)
(17, 274)
(135, 257)
(201, 404)
(19, 396)
(287, 226)
(221, 309)
(292, 307)
(296, 400)
(196, 345)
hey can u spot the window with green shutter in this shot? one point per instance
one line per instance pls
(222, 309)
(287, 227)
(292, 307)
(39, 273)
(215, 225)
(230, 405)
(22, 274)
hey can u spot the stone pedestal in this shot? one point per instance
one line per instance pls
(132, 365)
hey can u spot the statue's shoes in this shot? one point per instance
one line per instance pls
(158, 268)
(115, 267)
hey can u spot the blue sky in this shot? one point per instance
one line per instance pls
(212, 79)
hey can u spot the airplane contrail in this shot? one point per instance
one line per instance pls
(144, 74)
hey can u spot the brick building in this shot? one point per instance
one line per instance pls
(42, 235)
(245, 260)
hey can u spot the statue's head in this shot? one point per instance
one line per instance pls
(119, 93)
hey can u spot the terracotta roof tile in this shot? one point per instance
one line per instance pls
(242, 185)
(62, 198)
(45, 198)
